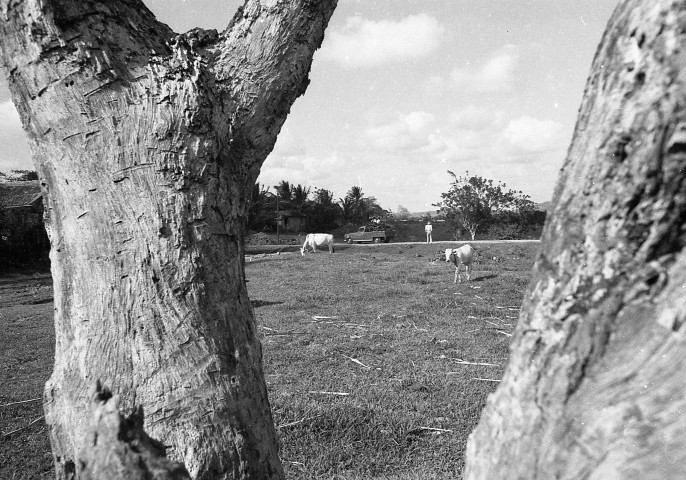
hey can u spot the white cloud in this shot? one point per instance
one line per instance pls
(366, 43)
(305, 169)
(530, 135)
(476, 118)
(434, 85)
(496, 74)
(14, 154)
(408, 132)
(483, 140)
(288, 143)
(9, 117)
(473, 132)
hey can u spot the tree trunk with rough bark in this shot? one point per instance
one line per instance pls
(147, 144)
(595, 388)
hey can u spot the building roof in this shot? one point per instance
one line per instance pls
(291, 213)
(19, 194)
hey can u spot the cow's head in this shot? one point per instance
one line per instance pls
(448, 253)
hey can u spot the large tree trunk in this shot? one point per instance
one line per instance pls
(147, 144)
(595, 388)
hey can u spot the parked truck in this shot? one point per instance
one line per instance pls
(372, 233)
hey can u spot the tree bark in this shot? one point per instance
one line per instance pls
(118, 448)
(595, 387)
(147, 144)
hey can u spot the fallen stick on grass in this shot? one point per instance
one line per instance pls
(419, 329)
(321, 317)
(22, 401)
(297, 422)
(355, 325)
(24, 427)
(283, 334)
(463, 362)
(504, 333)
(343, 394)
(357, 361)
(480, 298)
(431, 429)
(485, 379)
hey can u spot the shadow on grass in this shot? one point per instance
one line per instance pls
(484, 277)
(263, 303)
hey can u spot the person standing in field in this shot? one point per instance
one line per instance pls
(428, 229)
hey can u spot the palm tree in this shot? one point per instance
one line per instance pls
(261, 207)
(347, 208)
(357, 202)
(299, 195)
(284, 191)
(355, 194)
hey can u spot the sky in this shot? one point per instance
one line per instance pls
(404, 90)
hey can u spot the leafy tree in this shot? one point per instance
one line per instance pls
(358, 208)
(402, 213)
(323, 213)
(323, 196)
(374, 210)
(474, 202)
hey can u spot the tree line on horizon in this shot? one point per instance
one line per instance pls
(472, 205)
(322, 211)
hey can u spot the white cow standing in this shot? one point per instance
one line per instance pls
(461, 256)
(315, 240)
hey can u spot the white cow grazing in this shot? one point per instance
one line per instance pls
(461, 256)
(315, 240)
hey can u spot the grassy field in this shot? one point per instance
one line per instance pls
(377, 365)
(27, 345)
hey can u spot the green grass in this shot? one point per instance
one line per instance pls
(409, 408)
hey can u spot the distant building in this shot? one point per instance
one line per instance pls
(22, 233)
(291, 221)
